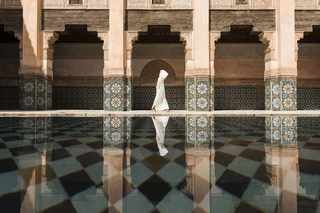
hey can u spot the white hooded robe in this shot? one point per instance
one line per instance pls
(160, 102)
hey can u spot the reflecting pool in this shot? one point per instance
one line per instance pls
(160, 164)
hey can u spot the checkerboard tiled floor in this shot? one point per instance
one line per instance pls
(63, 166)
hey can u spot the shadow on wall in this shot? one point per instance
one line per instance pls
(9, 70)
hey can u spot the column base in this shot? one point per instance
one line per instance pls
(35, 93)
(117, 94)
(199, 93)
(281, 93)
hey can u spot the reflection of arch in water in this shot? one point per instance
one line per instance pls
(150, 73)
(144, 86)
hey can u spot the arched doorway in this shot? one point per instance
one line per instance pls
(308, 91)
(239, 70)
(9, 70)
(78, 70)
(157, 49)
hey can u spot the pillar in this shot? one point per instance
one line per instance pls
(281, 64)
(198, 82)
(34, 84)
(116, 82)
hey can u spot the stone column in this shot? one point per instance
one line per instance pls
(198, 82)
(116, 81)
(34, 84)
(281, 64)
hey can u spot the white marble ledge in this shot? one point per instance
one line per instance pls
(148, 113)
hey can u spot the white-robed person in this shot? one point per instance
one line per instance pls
(160, 102)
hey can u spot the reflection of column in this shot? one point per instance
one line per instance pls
(33, 82)
(37, 134)
(199, 147)
(116, 132)
(281, 130)
(198, 82)
(198, 178)
(282, 156)
(200, 130)
(116, 81)
(280, 62)
(113, 174)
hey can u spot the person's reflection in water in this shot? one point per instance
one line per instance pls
(160, 124)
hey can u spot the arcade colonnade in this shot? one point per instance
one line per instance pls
(280, 75)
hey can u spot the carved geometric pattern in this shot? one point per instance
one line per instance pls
(143, 97)
(239, 98)
(36, 93)
(77, 98)
(308, 98)
(281, 93)
(198, 93)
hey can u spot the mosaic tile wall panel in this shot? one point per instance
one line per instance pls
(281, 94)
(308, 98)
(143, 97)
(9, 98)
(239, 97)
(35, 94)
(282, 130)
(117, 94)
(77, 98)
(198, 93)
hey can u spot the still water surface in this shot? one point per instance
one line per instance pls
(160, 164)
